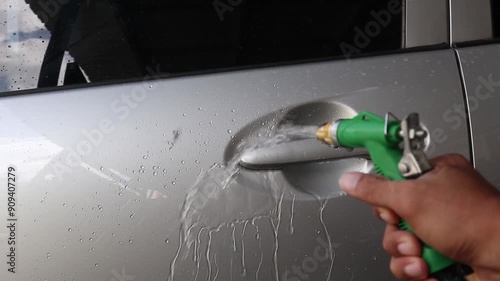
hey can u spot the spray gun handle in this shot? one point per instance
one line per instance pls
(385, 160)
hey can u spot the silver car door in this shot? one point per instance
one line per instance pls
(102, 172)
(100, 184)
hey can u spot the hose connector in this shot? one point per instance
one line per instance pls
(327, 133)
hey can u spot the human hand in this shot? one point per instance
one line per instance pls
(451, 208)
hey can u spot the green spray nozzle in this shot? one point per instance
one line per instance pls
(383, 138)
(380, 139)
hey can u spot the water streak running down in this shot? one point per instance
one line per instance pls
(174, 260)
(231, 268)
(207, 254)
(197, 254)
(234, 238)
(216, 267)
(213, 183)
(258, 237)
(331, 253)
(203, 210)
(276, 228)
(243, 265)
(292, 213)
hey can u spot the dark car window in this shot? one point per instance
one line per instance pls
(495, 9)
(85, 41)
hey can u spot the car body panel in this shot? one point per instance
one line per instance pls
(115, 211)
(481, 74)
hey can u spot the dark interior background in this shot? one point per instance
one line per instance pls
(495, 8)
(122, 39)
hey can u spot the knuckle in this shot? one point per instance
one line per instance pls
(368, 187)
(396, 268)
(377, 211)
(394, 189)
(458, 158)
(390, 240)
(406, 199)
(387, 244)
(388, 216)
(386, 238)
(454, 159)
(411, 184)
(449, 173)
(408, 207)
(398, 265)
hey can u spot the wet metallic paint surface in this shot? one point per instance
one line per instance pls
(126, 229)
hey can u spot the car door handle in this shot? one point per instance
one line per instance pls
(299, 152)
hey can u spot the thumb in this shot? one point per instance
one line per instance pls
(374, 190)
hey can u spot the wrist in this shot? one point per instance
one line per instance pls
(489, 255)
